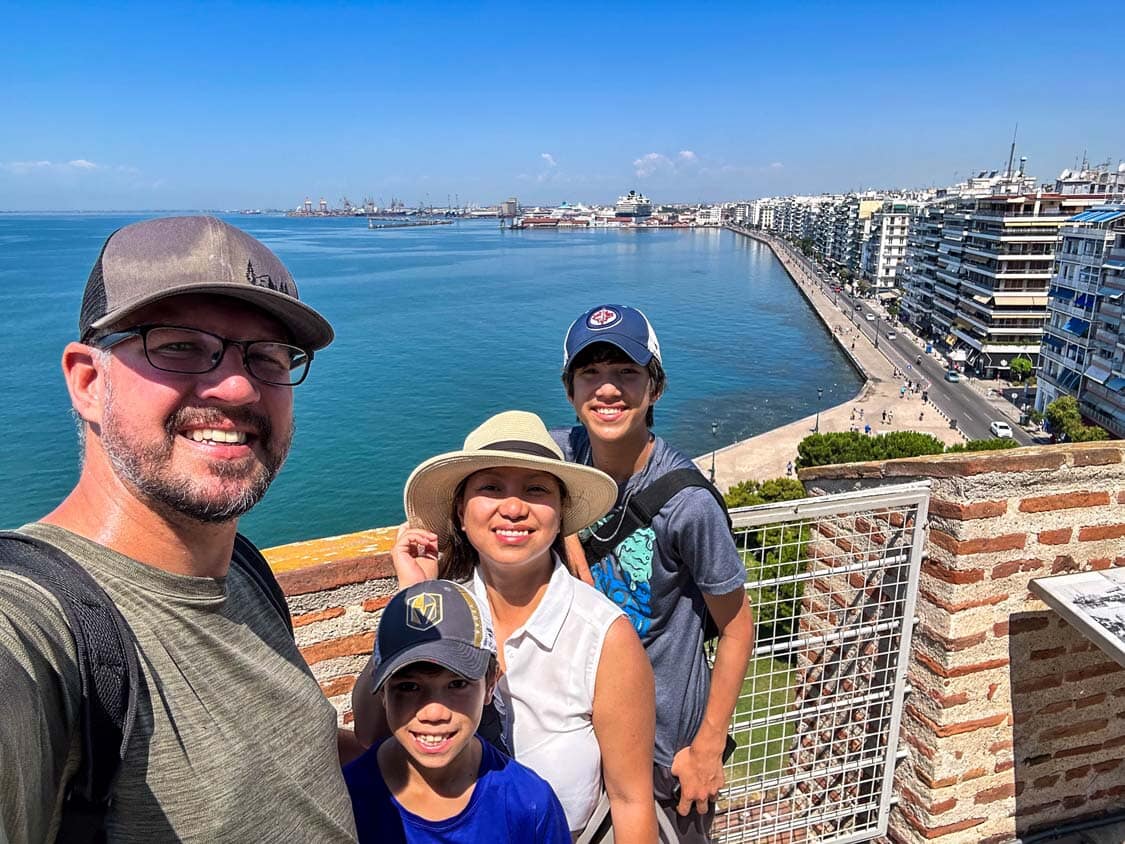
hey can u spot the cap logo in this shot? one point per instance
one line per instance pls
(263, 280)
(424, 611)
(602, 318)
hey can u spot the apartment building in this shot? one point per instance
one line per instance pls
(1083, 345)
(884, 250)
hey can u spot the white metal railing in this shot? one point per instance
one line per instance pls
(833, 583)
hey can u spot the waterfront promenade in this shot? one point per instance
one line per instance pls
(767, 455)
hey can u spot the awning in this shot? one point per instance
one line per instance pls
(1098, 375)
(1116, 383)
(1054, 342)
(887, 294)
(984, 300)
(1111, 293)
(1068, 379)
(1063, 294)
(1115, 264)
(1098, 215)
(1082, 300)
(1074, 325)
(1035, 301)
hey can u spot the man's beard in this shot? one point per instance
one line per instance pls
(147, 468)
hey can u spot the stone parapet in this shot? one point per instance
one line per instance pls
(1015, 721)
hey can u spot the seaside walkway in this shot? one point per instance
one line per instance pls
(766, 455)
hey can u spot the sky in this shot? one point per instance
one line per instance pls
(205, 105)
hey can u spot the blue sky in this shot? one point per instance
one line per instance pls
(224, 105)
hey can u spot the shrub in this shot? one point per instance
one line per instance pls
(996, 444)
(854, 447)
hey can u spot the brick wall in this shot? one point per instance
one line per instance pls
(1016, 722)
(335, 588)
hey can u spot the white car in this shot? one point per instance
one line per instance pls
(891, 335)
(871, 317)
(1000, 429)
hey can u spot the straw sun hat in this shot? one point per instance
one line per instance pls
(513, 438)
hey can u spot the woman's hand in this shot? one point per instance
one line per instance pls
(415, 556)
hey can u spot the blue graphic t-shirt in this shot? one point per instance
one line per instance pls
(658, 576)
(510, 804)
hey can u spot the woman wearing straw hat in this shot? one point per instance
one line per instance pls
(577, 690)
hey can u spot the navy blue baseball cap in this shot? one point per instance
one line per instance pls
(436, 621)
(626, 328)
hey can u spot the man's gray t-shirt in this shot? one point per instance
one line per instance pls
(658, 576)
(234, 740)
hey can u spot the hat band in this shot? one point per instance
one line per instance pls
(521, 447)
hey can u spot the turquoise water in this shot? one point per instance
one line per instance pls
(437, 328)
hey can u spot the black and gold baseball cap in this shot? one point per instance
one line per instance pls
(157, 259)
(436, 621)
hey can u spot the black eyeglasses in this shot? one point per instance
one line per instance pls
(173, 348)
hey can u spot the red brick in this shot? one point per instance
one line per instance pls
(1000, 792)
(1018, 624)
(1048, 653)
(956, 576)
(961, 727)
(1119, 561)
(1091, 671)
(359, 644)
(1101, 794)
(1096, 457)
(337, 685)
(1100, 563)
(1076, 773)
(942, 806)
(349, 717)
(1037, 684)
(943, 782)
(992, 689)
(1121, 498)
(1064, 562)
(1005, 765)
(997, 746)
(960, 670)
(1045, 781)
(1070, 730)
(321, 615)
(1107, 766)
(957, 466)
(374, 604)
(967, 512)
(963, 547)
(318, 578)
(1080, 750)
(929, 832)
(1011, 567)
(1073, 802)
(947, 701)
(1055, 537)
(1093, 533)
(972, 773)
(955, 644)
(960, 606)
(1092, 700)
(1064, 501)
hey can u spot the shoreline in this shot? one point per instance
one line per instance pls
(766, 455)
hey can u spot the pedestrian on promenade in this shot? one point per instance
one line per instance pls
(867, 430)
(884, 417)
(670, 572)
(921, 415)
(191, 339)
(789, 468)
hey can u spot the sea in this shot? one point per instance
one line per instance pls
(437, 328)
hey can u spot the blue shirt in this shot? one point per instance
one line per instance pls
(510, 804)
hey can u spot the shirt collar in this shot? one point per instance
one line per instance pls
(547, 619)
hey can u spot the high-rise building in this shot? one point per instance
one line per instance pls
(885, 248)
(1083, 345)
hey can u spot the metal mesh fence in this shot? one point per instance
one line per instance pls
(832, 582)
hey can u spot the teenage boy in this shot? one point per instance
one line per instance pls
(669, 575)
(434, 779)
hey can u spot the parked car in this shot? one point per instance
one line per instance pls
(858, 306)
(1000, 429)
(891, 335)
(871, 317)
(953, 376)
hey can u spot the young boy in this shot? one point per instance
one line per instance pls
(668, 575)
(434, 780)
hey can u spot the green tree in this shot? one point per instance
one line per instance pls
(749, 493)
(892, 308)
(1020, 368)
(854, 447)
(1065, 421)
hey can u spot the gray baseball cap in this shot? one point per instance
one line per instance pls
(169, 256)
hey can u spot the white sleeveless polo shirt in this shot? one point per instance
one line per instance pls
(547, 690)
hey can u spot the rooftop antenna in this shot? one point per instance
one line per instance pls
(1012, 152)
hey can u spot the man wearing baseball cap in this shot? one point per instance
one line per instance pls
(433, 778)
(670, 564)
(191, 339)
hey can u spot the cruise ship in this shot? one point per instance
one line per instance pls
(633, 205)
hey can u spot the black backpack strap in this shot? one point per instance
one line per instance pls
(250, 560)
(108, 673)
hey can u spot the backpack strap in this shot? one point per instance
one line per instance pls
(108, 674)
(639, 510)
(249, 559)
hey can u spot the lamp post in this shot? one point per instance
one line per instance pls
(819, 394)
(877, 321)
(715, 435)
